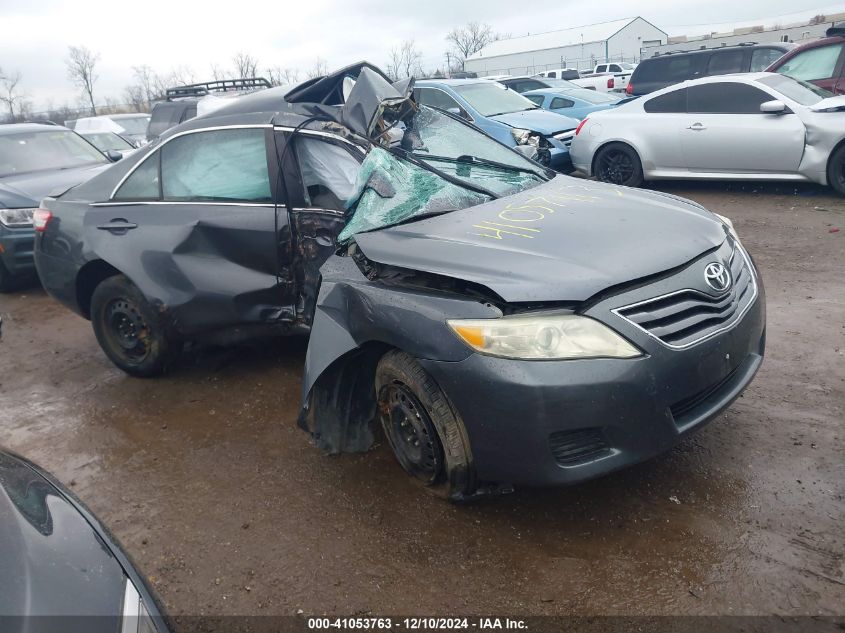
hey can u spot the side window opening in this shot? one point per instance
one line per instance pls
(725, 62)
(225, 165)
(559, 102)
(144, 183)
(670, 102)
(329, 172)
(537, 99)
(725, 98)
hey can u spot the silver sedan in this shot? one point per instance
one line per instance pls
(753, 126)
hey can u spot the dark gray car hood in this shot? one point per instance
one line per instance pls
(37, 185)
(564, 240)
(52, 561)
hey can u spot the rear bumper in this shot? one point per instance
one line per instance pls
(16, 252)
(563, 422)
(58, 276)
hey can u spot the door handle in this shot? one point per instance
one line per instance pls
(118, 226)
(697, 127)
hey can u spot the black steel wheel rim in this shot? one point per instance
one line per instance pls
(616, 167)
(410, 431)
(127, 329)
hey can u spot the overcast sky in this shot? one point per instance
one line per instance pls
(169, 33)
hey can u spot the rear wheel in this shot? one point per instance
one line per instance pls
(426, 434)
(836, 170)
(130, 332)
(619, 164)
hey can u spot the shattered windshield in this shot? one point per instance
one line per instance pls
(451, 166)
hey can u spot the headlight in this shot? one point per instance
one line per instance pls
(543, 337)
(527, 137)
(136, 618)
(16, 218)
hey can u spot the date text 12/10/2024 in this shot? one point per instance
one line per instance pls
(415, 624)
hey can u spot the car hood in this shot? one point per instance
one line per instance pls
(829, 104)
(565, 240)
(538, 120)
(30, 188)
(54, 563)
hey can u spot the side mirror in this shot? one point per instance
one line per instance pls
(773, 107)
(457, 112)
(113, 156)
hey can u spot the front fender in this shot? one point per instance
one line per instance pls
(356, 321)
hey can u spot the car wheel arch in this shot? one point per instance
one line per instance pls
(339, 407)
(599, 149)
(91, 275)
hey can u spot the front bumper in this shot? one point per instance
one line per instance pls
(563, 422)
(560, 160)
(16, 247)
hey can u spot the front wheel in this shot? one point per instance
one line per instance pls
(836, 170)
(426, 434)
(5, 279)
(619, 164)
(130, 332)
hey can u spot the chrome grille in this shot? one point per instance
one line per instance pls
(686, 317)
(565, 137)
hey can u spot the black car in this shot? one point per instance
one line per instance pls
(61, 569)
(674, 67)
(504, 324)
(35, 160)
(180, 103)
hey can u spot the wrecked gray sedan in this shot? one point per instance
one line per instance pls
(503, 324)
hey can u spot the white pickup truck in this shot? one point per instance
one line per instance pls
(609, 77)
(606, 77)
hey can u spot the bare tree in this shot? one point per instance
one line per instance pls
(470, 39)
(217, 73)
(11, 94)
(245, 65)
(81, 63)
(279, 76)
(135, 97)
(181, 76)
(411, 59)
(405, 61)
(319, 69)
(145, 79)
(394, 64)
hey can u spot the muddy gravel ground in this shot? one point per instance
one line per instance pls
(228, 509)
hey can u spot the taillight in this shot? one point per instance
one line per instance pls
(580, 125)
(610, 83)
(40, 218)
(629, 89)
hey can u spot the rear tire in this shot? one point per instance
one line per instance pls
(426, 434)
(133, 335)
(836, 170)
(619, 164)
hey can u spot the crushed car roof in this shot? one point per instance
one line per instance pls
(355, 96)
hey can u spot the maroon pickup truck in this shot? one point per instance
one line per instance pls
(821, 62)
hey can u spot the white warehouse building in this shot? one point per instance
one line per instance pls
(579, 47)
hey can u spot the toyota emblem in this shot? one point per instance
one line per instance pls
(717, 276)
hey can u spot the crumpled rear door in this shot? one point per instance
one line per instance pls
(207, 261)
